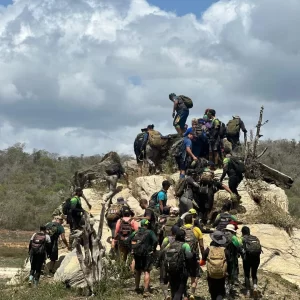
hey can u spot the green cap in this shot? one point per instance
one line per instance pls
(144, 222)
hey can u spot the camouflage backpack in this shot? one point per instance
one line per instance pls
(233, 127)
(114, 212)
(155, 139)
(190, 238)
(171, 221)
(188, 102)
(180, 187)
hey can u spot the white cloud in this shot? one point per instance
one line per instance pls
(67, 67)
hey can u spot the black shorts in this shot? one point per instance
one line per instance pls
(194, 269)
(143, 263)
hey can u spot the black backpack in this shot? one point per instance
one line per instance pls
(252, 245)
(138, 142)
(66, 206)
(174, 258)
(125, 230)
(113, 169)
(238, 165)
(138, 243)
(38, 243)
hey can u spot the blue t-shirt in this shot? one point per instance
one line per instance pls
(162, 196)
(186, 143)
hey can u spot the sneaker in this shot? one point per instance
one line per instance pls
(248, 294)
(255, 291)
(191, 297)
(30, 281)
(168, 298)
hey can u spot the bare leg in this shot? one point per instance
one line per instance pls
(147, 281)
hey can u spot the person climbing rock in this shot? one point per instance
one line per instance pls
(39, 248)
(224, 218)
(233, 129)
(186, 154)
(139, 148)
(234, 168)
(55, 230)
(181, 106)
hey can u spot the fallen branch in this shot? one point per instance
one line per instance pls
(262, 153)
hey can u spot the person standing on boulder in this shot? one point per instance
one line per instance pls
(114, 172)
(181, 107)
(186, 154)
(233, 129)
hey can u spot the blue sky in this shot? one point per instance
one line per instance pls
(180, 7)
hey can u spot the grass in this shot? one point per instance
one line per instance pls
(12, 257)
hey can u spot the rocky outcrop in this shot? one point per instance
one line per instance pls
(281, 252)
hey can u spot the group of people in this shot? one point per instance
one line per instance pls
(178, 233)
(208, 137)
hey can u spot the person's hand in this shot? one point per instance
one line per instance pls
(195, 158)
(202, 263)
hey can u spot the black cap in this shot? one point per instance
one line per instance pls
(78, 190)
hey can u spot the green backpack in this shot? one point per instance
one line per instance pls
(188, 102)
(171, 221)
(52, 230)
(233, 127)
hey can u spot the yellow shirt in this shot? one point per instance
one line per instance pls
(196, 230)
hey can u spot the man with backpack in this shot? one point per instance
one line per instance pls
(215, 257)
(114, 213)
(143, 244)
(150, 214)
(214, 138)
(194, 237)
(167, 223)
(177, 259)
(181, 106)
(39, 247)
(124, 228)
(251, 259)
(74, 209)
(139, 147)
(233, 131)
(114, 172)
(234, 247)
(161, 197)
(184, 155)
(224, 218)
(55, 230)
(234, 168)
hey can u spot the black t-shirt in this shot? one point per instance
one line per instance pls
(149, 213)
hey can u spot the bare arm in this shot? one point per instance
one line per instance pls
(226, 188)
(201, 246)
(189, 151)
(63, 238)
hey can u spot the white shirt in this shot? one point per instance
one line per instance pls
(48, 239)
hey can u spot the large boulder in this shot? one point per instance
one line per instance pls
(274, 240)
(83, 178)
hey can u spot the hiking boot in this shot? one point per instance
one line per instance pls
(138, 290)
(30, 280)
(146, 294)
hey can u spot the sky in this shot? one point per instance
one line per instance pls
(84, 76)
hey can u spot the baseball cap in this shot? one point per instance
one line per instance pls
(144, 222)
(192, 211)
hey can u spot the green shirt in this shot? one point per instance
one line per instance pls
(76, 202)
(185, 246)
